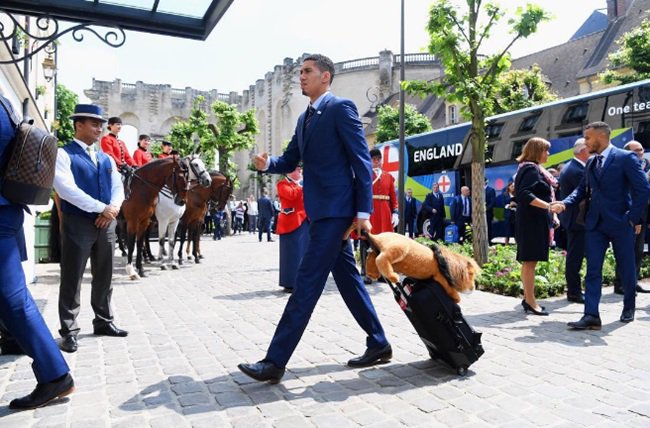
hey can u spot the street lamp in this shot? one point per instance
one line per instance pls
(49, 68)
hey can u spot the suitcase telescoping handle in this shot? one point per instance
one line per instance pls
(401, 297)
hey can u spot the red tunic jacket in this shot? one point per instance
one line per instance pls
(292, 211)
(141, 157)
(384, 202)
(116, 149)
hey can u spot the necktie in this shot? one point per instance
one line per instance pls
(91, 153)
(309, 115)
(599, 163)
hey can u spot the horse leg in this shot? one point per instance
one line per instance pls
(181, 236)
(130, 244)
(139, 255)
(171, 232)
(197, 246)
(161, 249)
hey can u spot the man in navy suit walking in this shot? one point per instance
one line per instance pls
(570, 179)
(462, 212)
(619, 192)
(337, 185)
(19, 315)
(410, 212)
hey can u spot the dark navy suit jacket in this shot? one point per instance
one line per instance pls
(619, 193)
(336, 168)
(457, 208)
(490, 199)
(570, 179)
(410, 209)
(265, 208)
(436, 201)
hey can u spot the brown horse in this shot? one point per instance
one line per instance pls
(146, 183)
(197, 205)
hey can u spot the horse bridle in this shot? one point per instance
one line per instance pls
(227, 185)
(171, 193)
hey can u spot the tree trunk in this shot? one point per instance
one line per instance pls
(479, 221)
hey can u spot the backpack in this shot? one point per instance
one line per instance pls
(28, 174)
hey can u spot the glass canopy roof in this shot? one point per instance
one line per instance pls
(193, 19)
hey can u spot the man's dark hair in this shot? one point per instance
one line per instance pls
(144, 137)
(115, 119)
(375, 153)
(166, 143)
(599, 126)
(323, 63)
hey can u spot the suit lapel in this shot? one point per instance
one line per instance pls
(608, 161)
(313, 123)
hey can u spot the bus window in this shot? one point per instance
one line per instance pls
(642, 135)
(493, 130)
(528, 123)
(517, 148)
(576, 113)
(489, 152)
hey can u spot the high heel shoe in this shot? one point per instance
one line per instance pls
(528, 308)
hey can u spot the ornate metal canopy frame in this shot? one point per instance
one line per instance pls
(48, 30)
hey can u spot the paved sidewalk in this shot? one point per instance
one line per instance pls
(191, 327)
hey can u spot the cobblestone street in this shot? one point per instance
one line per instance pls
(189, 328)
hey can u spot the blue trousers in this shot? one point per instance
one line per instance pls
(325, 253)
(17, 308)
(596, 242)
(575, 253)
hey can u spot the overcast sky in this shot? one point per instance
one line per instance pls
(255, 35)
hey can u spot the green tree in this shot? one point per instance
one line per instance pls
(470, 79)
(388, 122)
(66, 100)
(234, 131)
(517, 89)
(634, 55)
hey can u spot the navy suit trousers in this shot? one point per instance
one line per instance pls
(574, 255)
(325, 253)
(17, 308)
(597, 241)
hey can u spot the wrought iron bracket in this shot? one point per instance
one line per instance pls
(48, 31)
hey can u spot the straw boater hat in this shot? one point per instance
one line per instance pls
(87, 111)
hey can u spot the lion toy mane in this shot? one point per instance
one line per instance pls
(393, 253)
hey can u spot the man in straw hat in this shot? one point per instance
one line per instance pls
(91, 192)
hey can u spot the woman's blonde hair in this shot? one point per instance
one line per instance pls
(533, 150)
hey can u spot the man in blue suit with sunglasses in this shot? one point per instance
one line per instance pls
(329, 140)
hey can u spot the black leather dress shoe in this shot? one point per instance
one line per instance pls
(587, 322)
(69, 344)
(287, 290)
(372, 357)
(44, 393)
(627, 315)
(576, 298)
(263, 371)
(618, 290)
(640, 289)
(109, 329)
(367, 280)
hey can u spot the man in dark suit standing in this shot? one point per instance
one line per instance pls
(462, 212)
(639, 239)
(337, 192)
(619, 194)
(91, 192)
(19, 314)
(570, 179)
(490, 200)
(265, 211)
(410, 212)
(434, 206)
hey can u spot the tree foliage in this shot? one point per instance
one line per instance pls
(470, 78)
(233, 131)
(388, 122)
(634, 54)
(517, 89)
(66, 100)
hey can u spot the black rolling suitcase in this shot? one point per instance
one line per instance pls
(439, 323)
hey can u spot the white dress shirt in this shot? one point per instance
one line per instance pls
(67, 189)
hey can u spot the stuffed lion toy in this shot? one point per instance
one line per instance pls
(393, 253)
